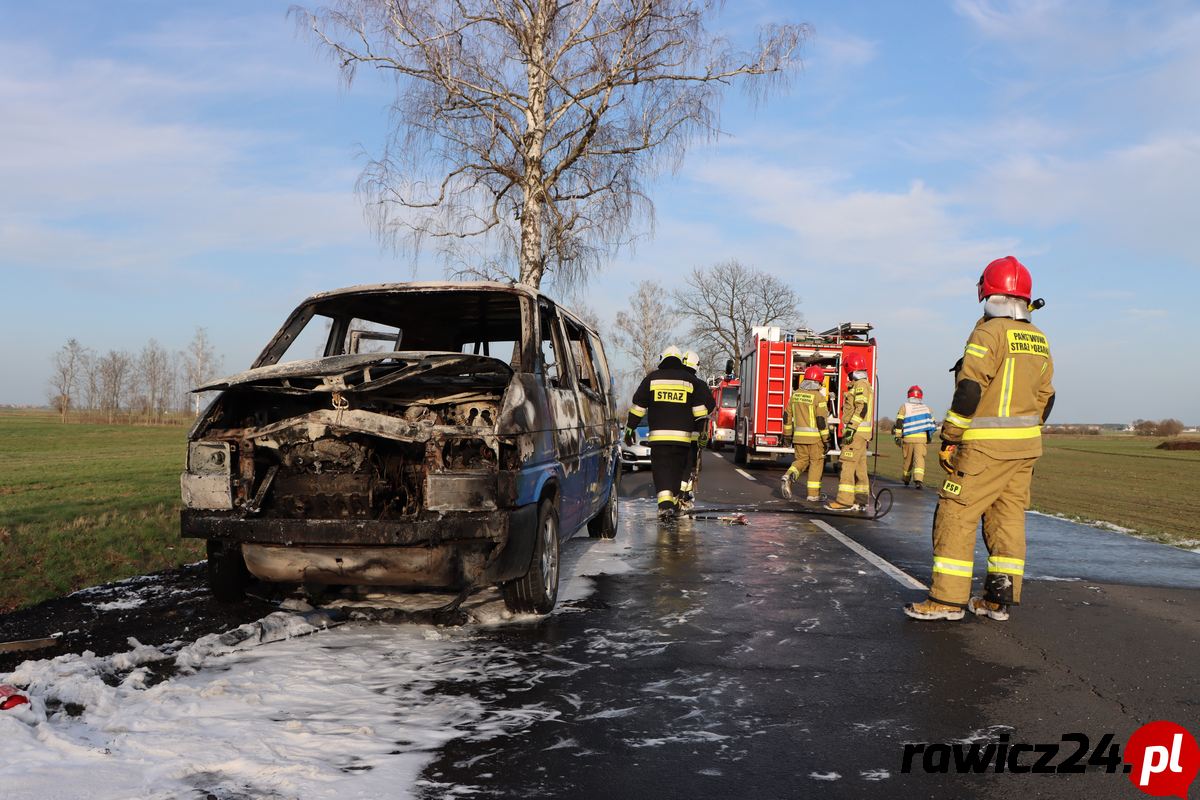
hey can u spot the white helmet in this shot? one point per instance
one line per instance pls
(691, 359)
(670, 352)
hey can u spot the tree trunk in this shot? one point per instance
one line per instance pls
(533, 258)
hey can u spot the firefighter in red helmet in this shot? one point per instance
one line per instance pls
(991, 438)
(913, 431)
(857, 404)
(804, 421)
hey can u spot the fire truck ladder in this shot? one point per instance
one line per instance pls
(779, 372)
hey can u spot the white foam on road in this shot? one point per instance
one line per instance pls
(269, 710)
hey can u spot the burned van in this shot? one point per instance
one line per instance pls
(444, 435)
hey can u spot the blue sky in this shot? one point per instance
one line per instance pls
(168, 165)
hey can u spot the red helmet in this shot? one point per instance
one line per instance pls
(855, 362)
(815, 374)
(915, 391)
(1006, 276)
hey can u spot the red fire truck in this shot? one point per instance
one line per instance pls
(723, 422)
(773, 360)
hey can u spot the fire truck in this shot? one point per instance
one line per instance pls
(723, 422)
(774, 360)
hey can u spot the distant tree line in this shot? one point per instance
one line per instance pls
(119, 386)
(1163, 427)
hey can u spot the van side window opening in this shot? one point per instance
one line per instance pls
(365, 336)
(581, 356)
(600, 364)
(550, 347)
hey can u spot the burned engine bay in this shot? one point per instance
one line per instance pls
(378, 437)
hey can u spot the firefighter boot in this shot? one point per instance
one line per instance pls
(986, 608)
(786, 486)
(932, 609)
(918, 485)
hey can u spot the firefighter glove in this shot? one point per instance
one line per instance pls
(946, 455)
(848, 436)
(896, 438)
(703, 441)
(629, 436)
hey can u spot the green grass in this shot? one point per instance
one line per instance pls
(82, 504)
(1112, 478)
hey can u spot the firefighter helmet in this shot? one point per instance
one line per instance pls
(915, 391)
(814, 374)
(691, 359)
(855, 362)
(1006, 276)
(670, 352)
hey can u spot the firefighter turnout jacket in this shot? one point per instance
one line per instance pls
(1004, 390)
(674, 402)
(914, 422)
(805, 414)
(856, 408)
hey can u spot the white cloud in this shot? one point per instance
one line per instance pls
(894, 235)
(1142, 197)
(843, 51)
(101, 172)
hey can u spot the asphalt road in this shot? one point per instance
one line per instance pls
(707, 660)
(771, 660)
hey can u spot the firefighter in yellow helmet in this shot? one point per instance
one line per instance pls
(991, 438)
(914, 430)
(804, 421)
(857, 416)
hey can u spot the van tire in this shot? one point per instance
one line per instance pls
(227, 573)
(604, 524)
(537, 591)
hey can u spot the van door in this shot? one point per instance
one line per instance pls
(592, 411)
(558, 372)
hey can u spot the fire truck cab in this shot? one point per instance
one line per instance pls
(772, 366)
(722, 424)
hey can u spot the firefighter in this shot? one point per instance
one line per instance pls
(856, 419)
(804, 421)
(991, 438)
(691, 473)
(674, 402)
(914, 430)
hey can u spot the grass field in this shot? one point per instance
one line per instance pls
(1114, 478)
(82, 504)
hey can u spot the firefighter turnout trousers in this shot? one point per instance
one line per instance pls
(854, 480)
(668, 461)
(914, 460)
(810, 458)
(996, 490)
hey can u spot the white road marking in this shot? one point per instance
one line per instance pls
(745, 474)
(883, 565)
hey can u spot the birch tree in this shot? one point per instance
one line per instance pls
(531, 127)
(722, 303)
(66, 376)
(645, 330)
(200, 364)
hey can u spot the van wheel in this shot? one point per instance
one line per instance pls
(604, 524)
(227, 573)
(537, 591)
(739, 454)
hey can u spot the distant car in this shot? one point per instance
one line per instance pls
(637, 455)
(444, 435)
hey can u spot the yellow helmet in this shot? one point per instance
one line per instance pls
(670, 352)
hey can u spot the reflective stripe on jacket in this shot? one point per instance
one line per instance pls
(915, 421)
(1010, 361)
(805, 413)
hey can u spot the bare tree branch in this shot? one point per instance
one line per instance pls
(533, 126)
